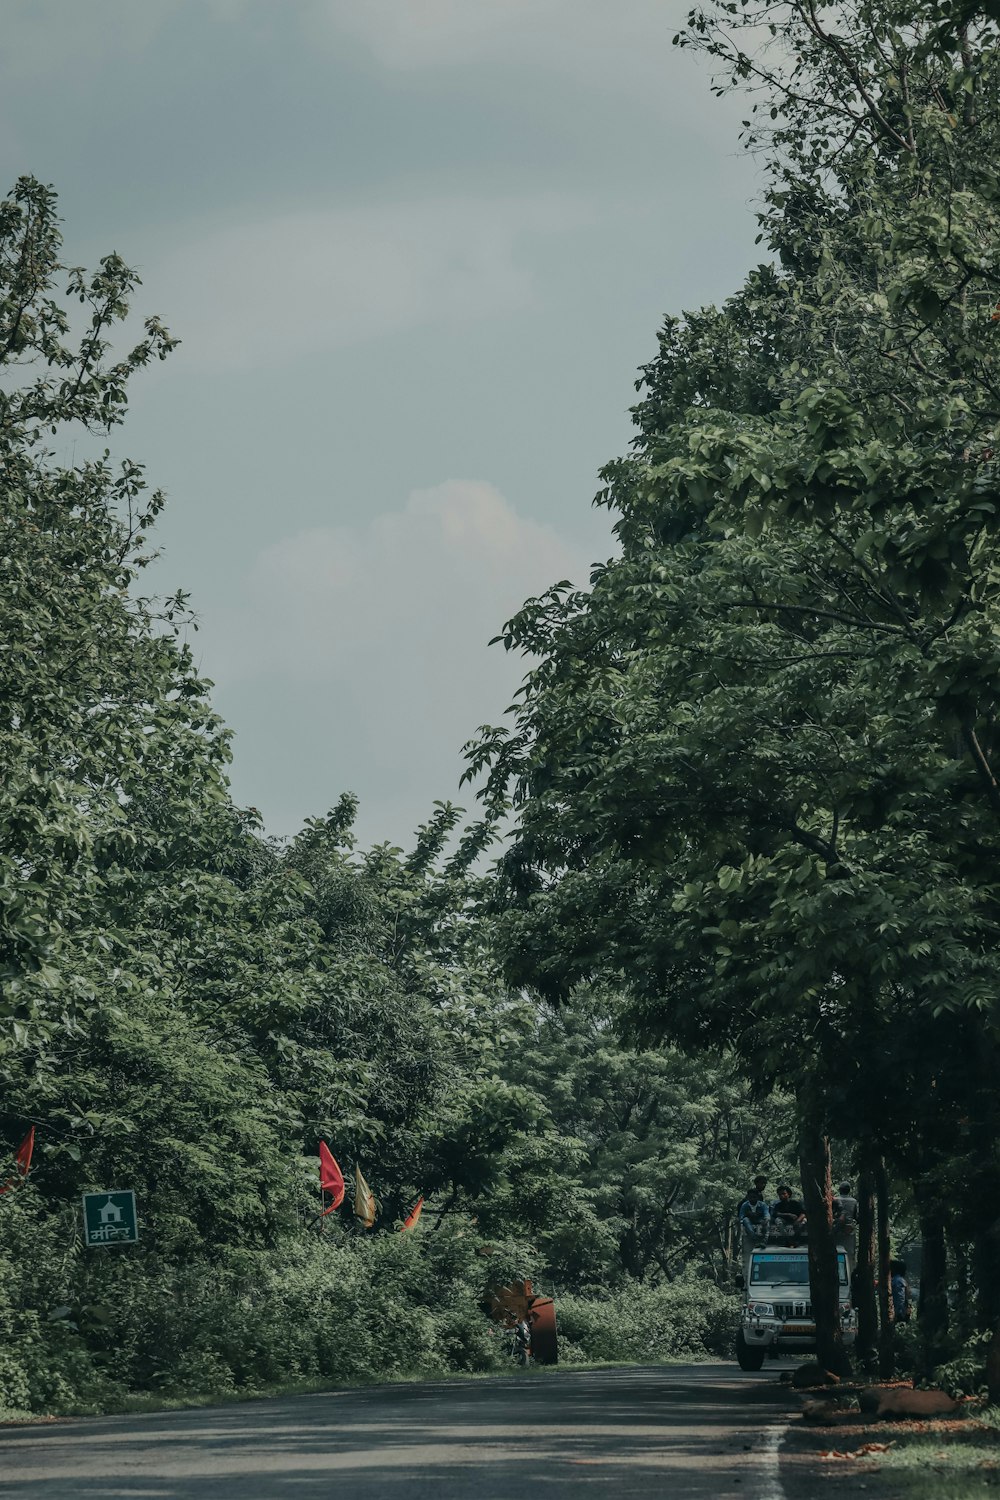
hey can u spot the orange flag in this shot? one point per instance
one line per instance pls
(22, 1157)
(331, 1178)
(412, 1218)
(364, 1200)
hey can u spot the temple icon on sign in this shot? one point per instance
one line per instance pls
(109, 1218)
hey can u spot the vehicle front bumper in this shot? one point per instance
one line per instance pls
(789, 1335)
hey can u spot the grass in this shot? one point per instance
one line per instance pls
(138, 1402)
(943, 1466)
(929, 1460)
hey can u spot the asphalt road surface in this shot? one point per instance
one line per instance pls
(687, 1432)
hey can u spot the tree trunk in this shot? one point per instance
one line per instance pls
(932, 1312)
(986, 1271)
(628, 1249)
(993, 1368)
(964, 1320)
(865, 1299)
(986, 1237)
(824, 1273)
(448, 1205)
(887, 1330)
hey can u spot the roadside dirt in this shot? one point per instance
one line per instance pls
(846, 1455)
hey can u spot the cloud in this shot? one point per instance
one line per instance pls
(298, 283)
(372, 638)
(415, 592)
(617, 44)
(46, 38)
(43, 38)
(435, 32)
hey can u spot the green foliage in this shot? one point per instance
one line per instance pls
(187, 1008)
(687, 1318)
(326, 1309)
(44, 1363)
(753, 766)
(650, 1149)
(81, 1330)
(964, 1374)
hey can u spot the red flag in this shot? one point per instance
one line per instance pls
(331, 1178)
(411, 1219)
(24, 1150)
(22, 1157)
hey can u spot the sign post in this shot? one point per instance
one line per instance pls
(109, 1218)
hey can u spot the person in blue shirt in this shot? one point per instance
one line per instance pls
(759, 1184)
(900, 1288)
(753, 1214)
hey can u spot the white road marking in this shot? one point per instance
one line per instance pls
(768, 1467)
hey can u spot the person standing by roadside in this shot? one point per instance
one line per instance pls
(902, 1305)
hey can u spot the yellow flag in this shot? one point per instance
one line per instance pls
(364, 1200)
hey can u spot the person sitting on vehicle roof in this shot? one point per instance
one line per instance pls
(753, 1213)
(789, 1216)
(759, 1184)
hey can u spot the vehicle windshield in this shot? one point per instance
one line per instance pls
(778, 1269)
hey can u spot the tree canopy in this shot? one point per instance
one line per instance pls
(753, 768)
(745, 911)
(188, 1007)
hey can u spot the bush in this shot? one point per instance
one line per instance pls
(965, 1374)
(81, 1329)
(686, 1318)
(44, 1361)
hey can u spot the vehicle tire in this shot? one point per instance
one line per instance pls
(749, 1356)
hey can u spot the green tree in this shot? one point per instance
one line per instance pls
(102, 710)
(670, 1142)
(753, 765)
(187, 1007)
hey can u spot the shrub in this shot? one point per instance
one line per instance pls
(80, 1329)
(686, 1318)
(965, 1373)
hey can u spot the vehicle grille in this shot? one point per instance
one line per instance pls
(793, 1309)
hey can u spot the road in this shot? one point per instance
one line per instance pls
(689, 1432)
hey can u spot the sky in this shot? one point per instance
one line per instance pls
(416, 251)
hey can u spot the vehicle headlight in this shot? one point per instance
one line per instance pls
(761, 1309)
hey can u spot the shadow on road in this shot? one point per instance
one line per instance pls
(632, 1432)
